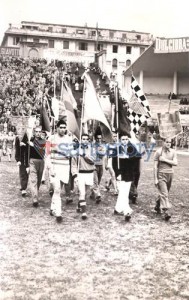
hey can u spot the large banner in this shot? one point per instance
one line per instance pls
(169, 124)
(163, 45)
(23, 124)
(73, 56)
(9, 51)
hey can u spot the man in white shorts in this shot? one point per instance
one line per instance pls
(85, 173)
(59, 165)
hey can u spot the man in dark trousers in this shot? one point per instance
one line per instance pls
(21, 156)
(128, 160)
(36, 167)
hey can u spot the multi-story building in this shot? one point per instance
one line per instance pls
(116, 49)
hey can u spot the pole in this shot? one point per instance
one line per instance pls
(82, 115)
(169, 104)
(97, 36)
(54, 84)
(117, 121)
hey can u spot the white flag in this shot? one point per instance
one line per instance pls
(92, 109)
(55, 108)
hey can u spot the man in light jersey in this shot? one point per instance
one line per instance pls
(164, 160)
(59, 165)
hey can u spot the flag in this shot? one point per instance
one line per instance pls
(91, 107)
(139, 110)
(136, 120)
(142, 101)
(30, 126)
(68, 102)
(21, 124)
(55, 108)
(44, 119)
(169, 124)
(121, 121)
(73, 101)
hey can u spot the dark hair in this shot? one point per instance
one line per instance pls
(61, 122)
(84, 134)
(96, 135)
(124, 134)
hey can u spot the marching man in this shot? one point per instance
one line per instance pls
(59, 165)
(164, 160)
(85, 173)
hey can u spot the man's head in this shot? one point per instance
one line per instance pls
(124, 139)
(167, 143)
(61, 127)
(37, 132)
(10, 133)
(114, 136)
(85, 138)
(98, 138)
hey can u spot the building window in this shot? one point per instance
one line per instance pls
(83, 46)
(79, 31)
(35, 40)
(50, 29)
(65, 44)
(24, 39)
(51, 43)
(138, 36)
(124, 36)
(142, 49)
(16, 40)
(114, 63)
(64, 30)
(128, 62)
(111, 34)
(93, 32)
(115, 49)
(100, 47)
(128, 49)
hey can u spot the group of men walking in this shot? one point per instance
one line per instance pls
(81, 164)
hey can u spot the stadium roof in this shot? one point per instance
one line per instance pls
(160, 64)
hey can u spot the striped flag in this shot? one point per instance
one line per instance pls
(68, 102)
(139, 110)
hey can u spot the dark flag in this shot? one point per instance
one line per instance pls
(121, 121)
(44, 119)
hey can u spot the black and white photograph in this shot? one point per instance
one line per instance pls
(94, 150)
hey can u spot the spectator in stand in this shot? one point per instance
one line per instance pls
(1, 144)
(77, 86)
(9, 144)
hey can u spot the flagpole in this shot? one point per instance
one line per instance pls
(117, 121)
(82, 108)
(169, 104)
(54, 84)
(82, 114)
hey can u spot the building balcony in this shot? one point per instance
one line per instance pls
(76, 36)
(33, 42)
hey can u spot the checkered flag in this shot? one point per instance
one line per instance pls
(136, 120)
(139, 109)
